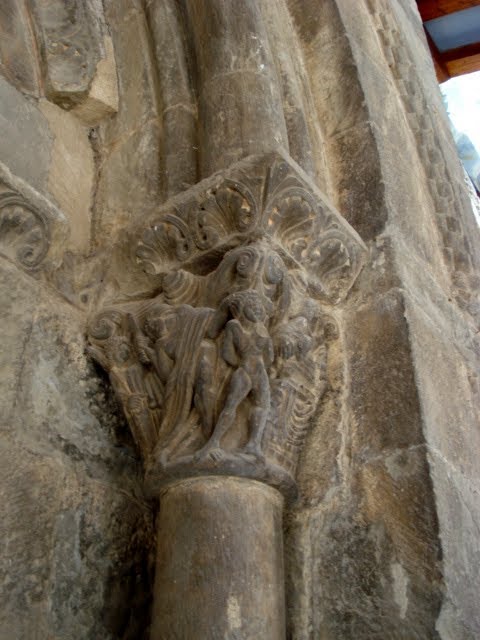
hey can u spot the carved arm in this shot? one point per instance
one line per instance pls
(230, 343)
(268, 353)
(219, 320)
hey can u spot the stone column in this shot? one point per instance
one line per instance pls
(219, 570)
(219, 375)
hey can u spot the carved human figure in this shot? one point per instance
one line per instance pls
(293, 339)
(127, 375)
(172, 342)
(299, 343)
(247, 347)
(256, 267)
(159, 327)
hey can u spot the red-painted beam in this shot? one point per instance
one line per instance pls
(431, 9)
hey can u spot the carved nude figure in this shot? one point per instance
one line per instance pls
(159, 325)
(248, 348)
(127, 377)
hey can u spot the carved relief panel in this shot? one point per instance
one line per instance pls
(222, 370)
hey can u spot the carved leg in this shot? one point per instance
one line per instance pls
(258, 420)
(259, 415)
(240, 387)
(143, 429)
(204, 398)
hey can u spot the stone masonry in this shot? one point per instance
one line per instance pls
(239, 273)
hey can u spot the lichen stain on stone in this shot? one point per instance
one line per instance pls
(400, 587)
(233, 614)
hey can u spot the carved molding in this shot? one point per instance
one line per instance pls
(269, 198)
(33, 231)
(24, 236)
(222, 371)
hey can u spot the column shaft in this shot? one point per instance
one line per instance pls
(219, 571)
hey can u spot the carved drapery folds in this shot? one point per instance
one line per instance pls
(222, 371)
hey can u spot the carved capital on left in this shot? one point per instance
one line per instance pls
(33, 231)
(24, 236)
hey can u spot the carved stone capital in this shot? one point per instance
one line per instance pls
(222, 371)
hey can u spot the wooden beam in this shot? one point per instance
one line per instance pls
(454, 62)
(442, 73)
(431, 9)
(463, 65)
(441, 69)
(462, 52)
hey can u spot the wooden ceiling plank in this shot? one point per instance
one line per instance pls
(431, 9)
(464, 65)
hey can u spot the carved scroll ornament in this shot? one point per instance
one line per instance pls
(23, 232)
(223, 370)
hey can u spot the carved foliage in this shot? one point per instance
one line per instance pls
(272, 203)
(180, 234)
(23, 232)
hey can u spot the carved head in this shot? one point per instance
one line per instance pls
(246, 261)
(160, 322)
(119, 350)
(296, 338)
(250, 305)
(257, 263)
(304, 344)
(274, 269)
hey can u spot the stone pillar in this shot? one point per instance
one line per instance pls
(219, 570)
(219, 375)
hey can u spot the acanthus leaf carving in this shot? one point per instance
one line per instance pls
(275, 202)
(222, 371)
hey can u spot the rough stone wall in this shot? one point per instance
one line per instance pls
(76, 529)
(375, 543)
(106, 110)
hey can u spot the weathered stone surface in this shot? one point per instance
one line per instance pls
(70, 52)
(102, 99)
(179, 135)
(75, 525)
(18, 58)
(129, 150)
(233, 55)
(49, 151)
(407, 254)
(26, 141)
(127, 185)
(72, 172)
(383, 539)
(453, 458)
